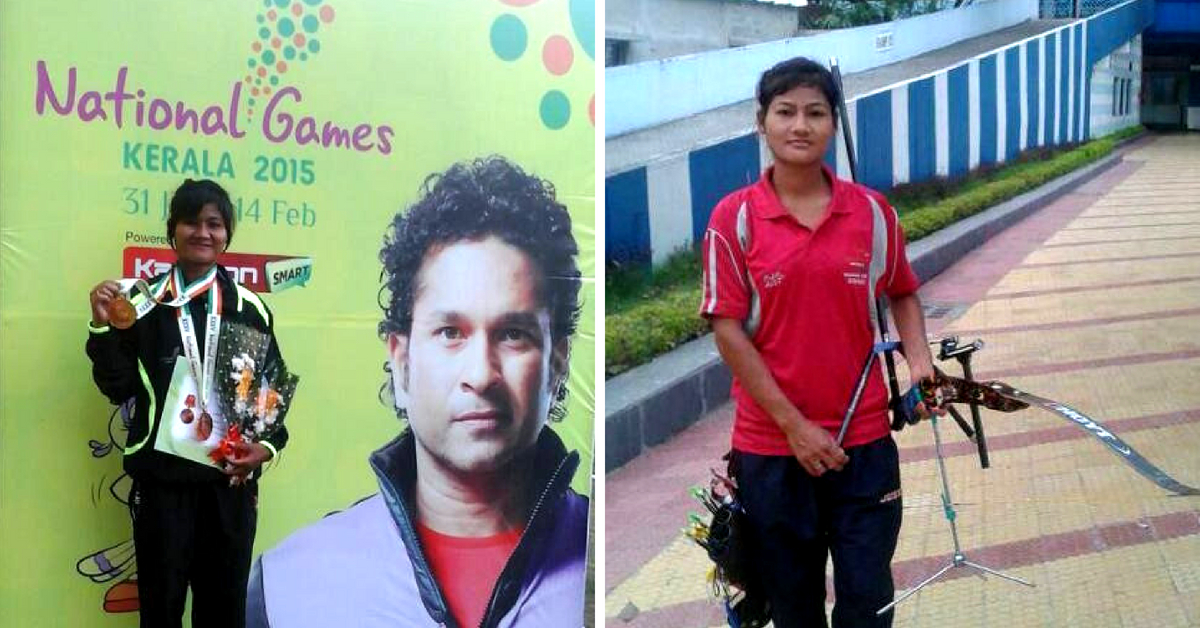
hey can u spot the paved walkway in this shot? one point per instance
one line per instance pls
(1094, 301)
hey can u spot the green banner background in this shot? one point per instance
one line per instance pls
(453, 80)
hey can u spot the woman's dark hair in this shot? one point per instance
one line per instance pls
(788, 75)
(190, 199)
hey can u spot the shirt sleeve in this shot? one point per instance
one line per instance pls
(278, 439)
(113, 353)
(726, 293)
(899, 280)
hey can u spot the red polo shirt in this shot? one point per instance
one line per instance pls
(811, 323)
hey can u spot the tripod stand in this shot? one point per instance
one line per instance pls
(950, 348)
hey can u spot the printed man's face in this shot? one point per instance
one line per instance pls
(476, 370)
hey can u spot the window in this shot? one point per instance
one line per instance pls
(616, 52)
(1122, 96)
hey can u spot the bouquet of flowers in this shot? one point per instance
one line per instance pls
(254, 395)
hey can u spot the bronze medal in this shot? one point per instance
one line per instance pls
(204, 427)
(186, 416)
(121, 313)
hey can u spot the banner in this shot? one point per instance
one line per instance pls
(322, 118)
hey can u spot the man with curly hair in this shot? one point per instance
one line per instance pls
(475, 523)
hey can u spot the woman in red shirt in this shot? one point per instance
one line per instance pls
(785, 275)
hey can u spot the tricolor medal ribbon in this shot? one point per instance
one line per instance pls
(203, 375)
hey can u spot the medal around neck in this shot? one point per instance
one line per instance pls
(122, 314)
(247, 400)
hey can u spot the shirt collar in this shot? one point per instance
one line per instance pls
(767, 204)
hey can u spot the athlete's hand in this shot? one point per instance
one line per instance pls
(101, 295)
(246, 458)
(922, 371)
(814, 447)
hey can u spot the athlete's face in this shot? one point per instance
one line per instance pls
(798, 126)
(201, 238)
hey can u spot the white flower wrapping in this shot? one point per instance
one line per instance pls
(243, 374)
(256, 408)
(254, 393)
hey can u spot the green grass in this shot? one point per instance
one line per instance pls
(648, 313)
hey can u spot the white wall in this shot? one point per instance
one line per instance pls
(646, 94)
(657, 29)
(1124, 63)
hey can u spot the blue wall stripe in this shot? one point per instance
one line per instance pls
(1012, 97)
(922, 131)
(957, 92)
(831, 151)
(987, 110)
(717, 170)
(1064, 63)
(627, 217)
(1033, 83)
(1087, 105)
(1081, 94)
(1048, 83)
(1072, 82)
(1110, 31)
(874, 139)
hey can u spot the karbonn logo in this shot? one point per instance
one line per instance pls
(247, 269)
(145, 268)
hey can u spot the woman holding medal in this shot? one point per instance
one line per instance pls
(787, 262)
(193, 523)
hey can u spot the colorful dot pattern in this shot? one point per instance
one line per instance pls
(287, 34)
(555, 109)
(510, 39)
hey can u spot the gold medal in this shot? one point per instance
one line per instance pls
(121, 313)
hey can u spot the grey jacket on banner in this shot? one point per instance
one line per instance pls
(364, 566)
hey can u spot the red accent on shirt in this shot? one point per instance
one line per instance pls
(814, 328)
(466, 568)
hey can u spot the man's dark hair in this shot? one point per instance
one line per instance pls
(190, 199)
(788, 75)
(471, 201)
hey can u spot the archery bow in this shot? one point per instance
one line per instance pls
(885, 346)
(996, 395)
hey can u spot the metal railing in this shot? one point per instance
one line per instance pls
(1051, 9)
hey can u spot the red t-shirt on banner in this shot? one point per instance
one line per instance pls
(466, 568)
(802, 294)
